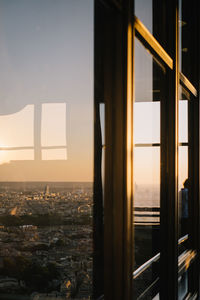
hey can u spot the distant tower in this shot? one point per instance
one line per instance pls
(46, 190)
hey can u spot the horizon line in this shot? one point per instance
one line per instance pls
(50, 181)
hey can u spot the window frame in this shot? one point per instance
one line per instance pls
(121, 27)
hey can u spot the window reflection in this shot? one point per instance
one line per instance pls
(147, 131)
(7, 156)
(144, 11)
(53, 127)
(186, 46)
(183, 121)
(183, 187)
(183, 164)
(54, 154)
(147, 124)
(143, 74)
(147, 172)
(46, 149)
(18, 143)
(17, 128)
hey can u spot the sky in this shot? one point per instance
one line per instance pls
(46, 66)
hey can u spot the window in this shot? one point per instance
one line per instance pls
(151, 137)
(46, 149)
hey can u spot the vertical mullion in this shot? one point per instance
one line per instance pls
(98, 226)
(109, 282)
(128, 203)
(117, 62)
(169, 172)
(197, 124)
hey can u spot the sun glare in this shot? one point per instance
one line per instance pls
(3, 156)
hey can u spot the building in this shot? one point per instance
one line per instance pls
(147, 79)
(46, 190)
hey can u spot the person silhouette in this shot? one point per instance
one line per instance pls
(184, 207)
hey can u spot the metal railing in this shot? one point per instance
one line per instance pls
(146, 265)
(187, 255)
(154, 259)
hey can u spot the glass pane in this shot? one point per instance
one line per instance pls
(183, 182)
(144, 11)
(54, 154)
(186, 39)
(147, 122)
(183, 188)
(146, 200)
(21, 133)
(151, 14)
(53, 127)
(183, 286)
(183, 121)
(46, 149)
(143, 74)
(148, 131)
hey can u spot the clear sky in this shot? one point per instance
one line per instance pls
(147, 130)
(46, 64)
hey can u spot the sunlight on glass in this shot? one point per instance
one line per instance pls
(183, 165)
(147, 165)
(7, 156)
(147, 122)
(53, 131)
(54, 154)
(16, 130)
(183, 121)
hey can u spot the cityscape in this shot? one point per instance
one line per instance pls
(46, 240)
